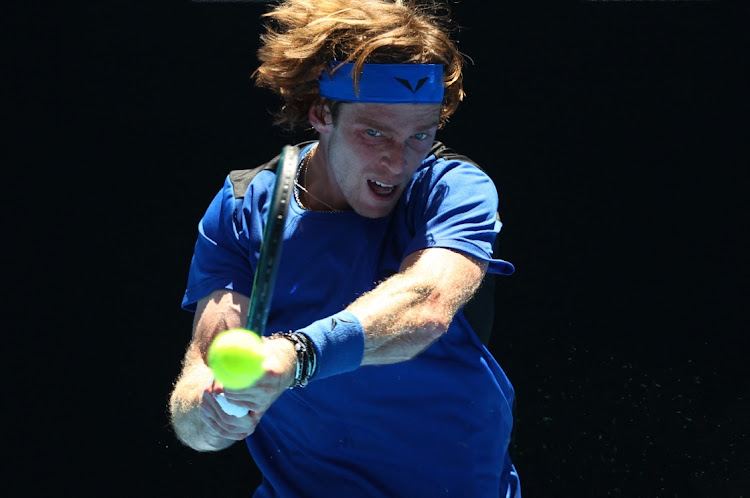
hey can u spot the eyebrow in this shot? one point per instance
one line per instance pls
(365, 121)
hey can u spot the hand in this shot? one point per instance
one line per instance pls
(280, 364)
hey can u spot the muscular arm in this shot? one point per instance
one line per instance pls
(407, 312)
(401, 317)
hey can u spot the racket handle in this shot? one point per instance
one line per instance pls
(229, 407)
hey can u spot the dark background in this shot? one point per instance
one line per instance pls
(617, 135)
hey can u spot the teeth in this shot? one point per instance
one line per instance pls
(381, 184)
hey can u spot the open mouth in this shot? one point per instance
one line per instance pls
(380, 188)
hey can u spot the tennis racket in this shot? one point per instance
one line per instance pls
(273, 236)
(270, 253)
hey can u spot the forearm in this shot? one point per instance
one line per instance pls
(185, 403)
(222, 310)
(406, 313)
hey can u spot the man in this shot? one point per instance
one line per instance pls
(387, 239)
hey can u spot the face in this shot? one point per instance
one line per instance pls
(372, 151)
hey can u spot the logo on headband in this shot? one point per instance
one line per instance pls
(384, 83)
(408, 85)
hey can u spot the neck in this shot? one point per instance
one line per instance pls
(307, 198)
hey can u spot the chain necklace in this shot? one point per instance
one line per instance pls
(303, 169)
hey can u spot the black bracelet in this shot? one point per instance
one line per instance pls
(307, 360)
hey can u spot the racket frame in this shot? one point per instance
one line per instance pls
(273, 237)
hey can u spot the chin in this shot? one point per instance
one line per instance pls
(374, 212)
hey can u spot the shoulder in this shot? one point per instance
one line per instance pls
(240, 179)
(441, 152)
(446, 173)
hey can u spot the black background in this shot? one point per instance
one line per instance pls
(617, 135)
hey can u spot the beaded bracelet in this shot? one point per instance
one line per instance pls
(307, 360)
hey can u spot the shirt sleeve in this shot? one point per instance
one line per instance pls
(221, 258)
(457, 206)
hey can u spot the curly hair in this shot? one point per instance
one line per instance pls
(302, 36)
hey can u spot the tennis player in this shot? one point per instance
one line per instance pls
(376, 383)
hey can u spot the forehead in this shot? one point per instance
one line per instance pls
(391, 116)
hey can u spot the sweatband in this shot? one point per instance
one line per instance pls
(339, 342)
(385, 83)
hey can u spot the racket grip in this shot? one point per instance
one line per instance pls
(229, 407)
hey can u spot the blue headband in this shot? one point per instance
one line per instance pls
(385, 83)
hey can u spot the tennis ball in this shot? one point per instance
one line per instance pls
(236, 358)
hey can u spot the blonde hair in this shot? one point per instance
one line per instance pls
(302, 36)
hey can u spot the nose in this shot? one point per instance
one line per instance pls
(393, 158)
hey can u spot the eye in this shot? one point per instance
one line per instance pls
(374, 133)
(421, 136)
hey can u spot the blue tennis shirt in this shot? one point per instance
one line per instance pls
(437, 425)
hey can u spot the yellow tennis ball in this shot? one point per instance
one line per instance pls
(236, 358)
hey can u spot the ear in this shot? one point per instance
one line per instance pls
(320, 118)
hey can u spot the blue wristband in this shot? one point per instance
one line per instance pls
(339, 342)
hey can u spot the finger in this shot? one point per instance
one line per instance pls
(225, 432)
(255, 417)
(225, 425)
(252, 400)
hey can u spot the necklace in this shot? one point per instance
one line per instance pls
(303, 169)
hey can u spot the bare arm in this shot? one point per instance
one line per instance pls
(401, 317)
(196, 417)
(409, 311)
